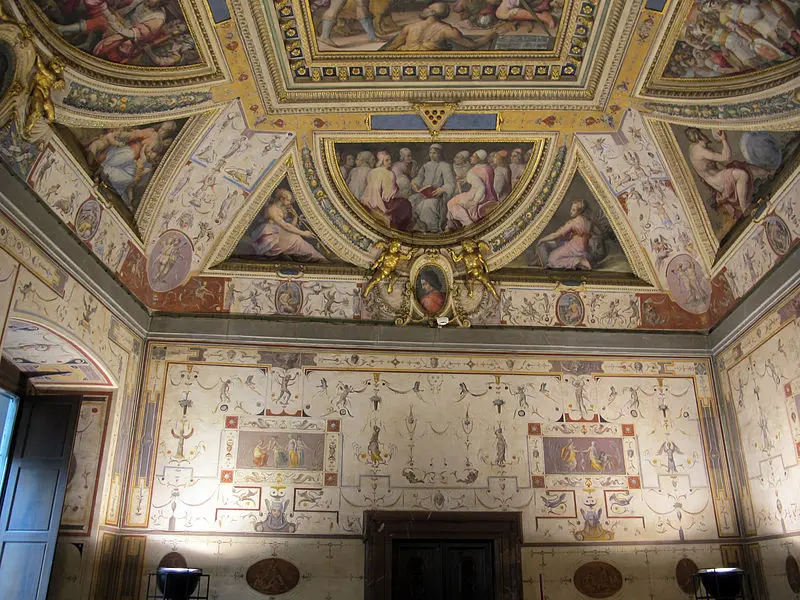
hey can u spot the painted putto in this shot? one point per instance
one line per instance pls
(431, 188)
(390, 25)
(151, 33)
(728, 38)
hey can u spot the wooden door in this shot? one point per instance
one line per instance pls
(468, 570)
(34, 495)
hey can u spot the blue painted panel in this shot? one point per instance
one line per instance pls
(471, 122)
(390, 122)
(656, 5)
(219, 10)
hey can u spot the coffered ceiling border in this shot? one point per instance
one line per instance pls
(652, 86)
(211, 69)
(261, 35)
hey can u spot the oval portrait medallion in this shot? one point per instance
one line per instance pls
(569, 309)
(597, 579)
(430, 289)
(793, 573)
(778, 236)
(288, 298)
(173, 560)
(273, 576)
(684, 575)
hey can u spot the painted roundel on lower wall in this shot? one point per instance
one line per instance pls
(778, 236)
(684, 575)
(597, 579)
(272, 576)
(569, 309)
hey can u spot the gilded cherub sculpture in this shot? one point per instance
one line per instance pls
(45, 79)
(386, 264)
(475, 266)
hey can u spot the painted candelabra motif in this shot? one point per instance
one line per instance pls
(283, 441)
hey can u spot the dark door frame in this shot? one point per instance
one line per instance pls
(504, 529)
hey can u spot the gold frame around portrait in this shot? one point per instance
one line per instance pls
(121, 77)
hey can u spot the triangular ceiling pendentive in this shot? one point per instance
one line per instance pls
(586, 232)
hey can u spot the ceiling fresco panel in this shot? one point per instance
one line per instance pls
(125, 158)
(469, 49)
(151, 33)
(717, 49)
(164, 43)
(280, 232)
(734, 170)
(578, 237)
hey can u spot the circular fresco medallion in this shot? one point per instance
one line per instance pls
(170, 261)
(87, 219)
(688, 284)
(793, 573)
(684, 575)
(778, 235)
(288, 298)
(569, 308)
(272, 576)
(430, 290)
(597, 579)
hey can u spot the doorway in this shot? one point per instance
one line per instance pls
(442, 556)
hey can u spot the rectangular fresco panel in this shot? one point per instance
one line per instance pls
(262, 450)
(465, 25)
(587, 456)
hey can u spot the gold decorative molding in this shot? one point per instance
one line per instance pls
(435, 115)
(263, 38)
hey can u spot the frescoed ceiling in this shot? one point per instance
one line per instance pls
(549, 163)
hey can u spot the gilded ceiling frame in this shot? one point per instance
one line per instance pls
(687, 191)
(24, 55)
(537, 179)
(262, 36)
(652, 86)
(175, 158)
(212, 67)
(327, 153)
